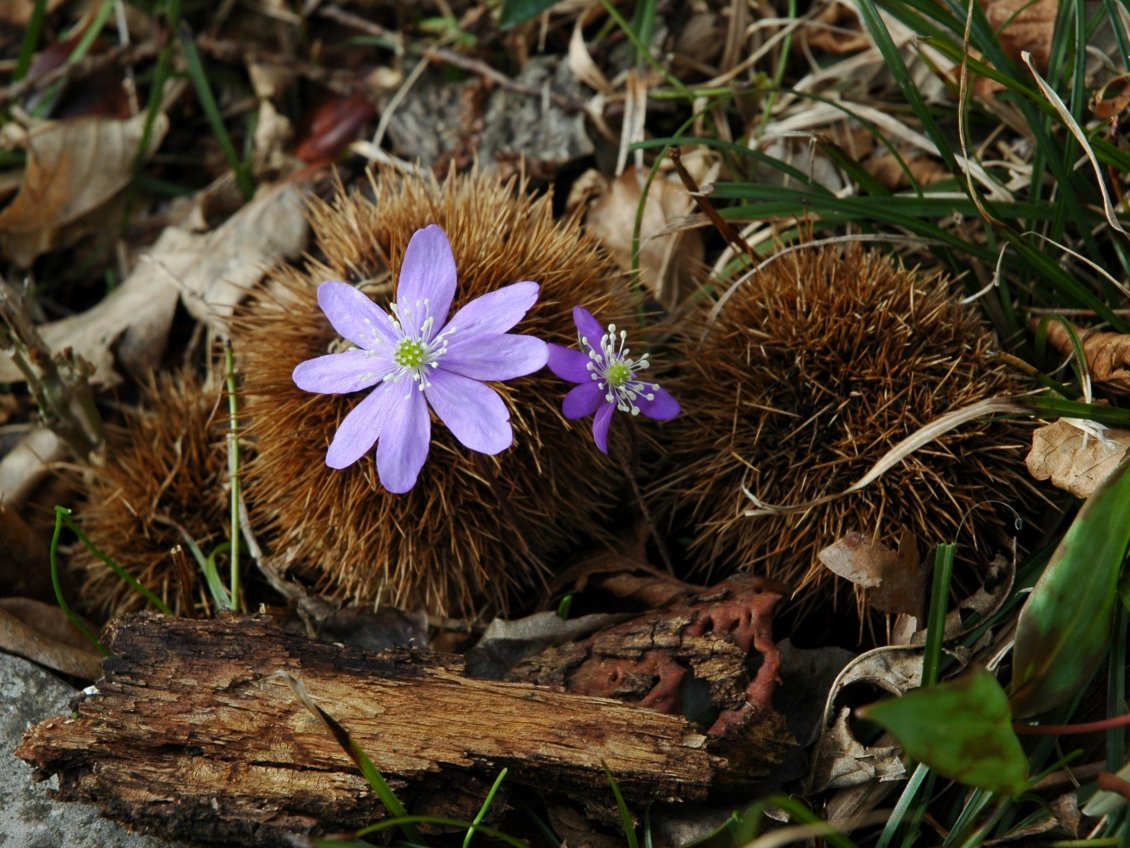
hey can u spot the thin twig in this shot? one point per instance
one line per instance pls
(706, 207)
(626, 461)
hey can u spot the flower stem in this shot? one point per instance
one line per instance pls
(627, 462)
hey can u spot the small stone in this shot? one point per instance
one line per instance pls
(29, 818)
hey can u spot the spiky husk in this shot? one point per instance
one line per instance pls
(813, 369)
(165, 470)
(475, 528)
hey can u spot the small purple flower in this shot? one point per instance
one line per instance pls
(416, 355)
(607, 378)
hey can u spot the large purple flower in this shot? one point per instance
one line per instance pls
(607, 378)
(416, 355)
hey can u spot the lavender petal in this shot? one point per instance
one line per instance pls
(569, 364)
(403, 446)
(341, 373)
(496, 311)
(583, 400)
(588, 327)
(355, 317)
(600, 423)
(427, 281)
(500, 356)
(361, 427)
(474, 413)
(663, 408)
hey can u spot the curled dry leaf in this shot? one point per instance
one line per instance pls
(894, 578)
(668, 255)
(41, 633)
(1107, 354)
(840, 760)
(73, 168)
(1076, 455)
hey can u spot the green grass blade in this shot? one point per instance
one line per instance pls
(483, 809)
(30, 40)
(936, 619)
(621, 804)
(233, 470)
(1063, 630)
(199, 78)
(64, 515)
(898, 69)
(72, 617)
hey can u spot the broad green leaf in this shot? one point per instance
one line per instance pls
(515, 12)
(962, 729)
(1064, 627)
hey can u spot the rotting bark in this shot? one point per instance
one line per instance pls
(192, 733)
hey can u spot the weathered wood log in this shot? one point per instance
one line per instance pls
(191, 732)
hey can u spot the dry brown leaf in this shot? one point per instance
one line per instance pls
(1107, 354)
(215, 271)
(41, 633)
(17, 13)
(840, 760)
(1107, 106)
(138, 312)
(73, 168)
(894, 578)
(1076, 455)
(668, 257)
(211, 271)
(858, 558)
(1023, 25)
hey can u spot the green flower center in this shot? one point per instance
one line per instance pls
(410, 353)
(618, 373)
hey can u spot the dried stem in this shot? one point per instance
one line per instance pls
(59, 382)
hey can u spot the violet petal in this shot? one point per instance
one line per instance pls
(588, 327)
(569, 364)
(427, 281)
(474, 413)
(501, 356)
(403, 446)
(341, 373)
(663, 408)
(362, 426)
(496, 311)
(600, 423)
(583, 400)
(355, 317)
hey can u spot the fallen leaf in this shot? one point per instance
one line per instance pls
(840, 760)
(210, 271)
(42, 633)
(214, 271)
(1023, 25)
(17, 13)
(73, 168)
(24, 568)
(895, 578)
(1106, 104)
(138, 313)
(1107, 354)
(1076, 455)
(668, 256)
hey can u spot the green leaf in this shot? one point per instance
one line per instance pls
(515, 12)
(962, 729)
(1064, 628)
